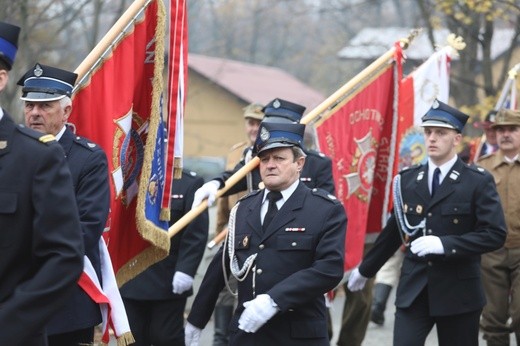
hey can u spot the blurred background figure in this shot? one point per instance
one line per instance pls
(386, 278)
(501, 268)
(155, 299)
(487, 143)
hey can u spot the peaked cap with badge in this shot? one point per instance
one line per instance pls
(443, 115)
(453, 215)
(317, 170)
(8, 43)
(46, 83)
(279, 110)
(278, 135)
(88, 166)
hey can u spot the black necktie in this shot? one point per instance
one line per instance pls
(435, 180)
(273, 197)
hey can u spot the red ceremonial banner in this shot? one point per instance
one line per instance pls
(357, 137)
(417, 91)
(119, 108)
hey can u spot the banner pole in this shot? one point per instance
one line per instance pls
(322, 107)
(110, 38)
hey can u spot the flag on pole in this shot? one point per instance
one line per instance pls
(357, 136)
(118, 105)
(508, 95)
(107, 295)
(506, 99)
(417, 91)
(177, 81)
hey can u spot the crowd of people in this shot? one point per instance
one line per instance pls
(450, 246)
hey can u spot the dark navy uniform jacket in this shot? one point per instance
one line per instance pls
(89, 168)
(41, 250)
(316, 172)
(300, 258)
(186, 251)
(466, 214)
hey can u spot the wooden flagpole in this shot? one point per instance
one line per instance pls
(116, 32)
(331, 101)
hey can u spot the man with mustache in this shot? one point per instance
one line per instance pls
(285, 247)
(501, 268)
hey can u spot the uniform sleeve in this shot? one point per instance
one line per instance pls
(194, 237)
(386, 244)
(93, 198)
(57, 251)
(210, 288)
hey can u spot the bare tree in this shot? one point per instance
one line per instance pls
(473, 77)
(55, 32)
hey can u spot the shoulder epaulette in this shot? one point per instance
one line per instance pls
(188, 173)
(35, 134)
(316, 153)
(476, 168)
(410, 168)
(47, 138)
(251, 194)
(325, 195)
(86, 143)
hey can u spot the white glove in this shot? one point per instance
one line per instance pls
(209, 191)
(181, 282)
(426, 245)
(257, 312)
(356, 281)
(191, 335)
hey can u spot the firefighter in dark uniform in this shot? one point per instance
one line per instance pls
(447, 213)
(46, 92)
(316, 173)
(285, 266)
(41, 255)
(156, 298)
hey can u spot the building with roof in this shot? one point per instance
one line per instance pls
(219, 89)
(370, 43)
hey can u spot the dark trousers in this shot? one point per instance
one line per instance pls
(74, 338)
(356, 312)
(356, 315)
(156, 322)
(413, 324)
(38, 339)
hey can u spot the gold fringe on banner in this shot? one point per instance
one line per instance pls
(165, 214)
(147, 229)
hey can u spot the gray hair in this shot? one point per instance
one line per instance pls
(298, 152)
(66, 101)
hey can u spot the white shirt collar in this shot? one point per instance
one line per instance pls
(62, 131)
(1, 113)
(285, 193)
(445, 168)
(508, 160)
